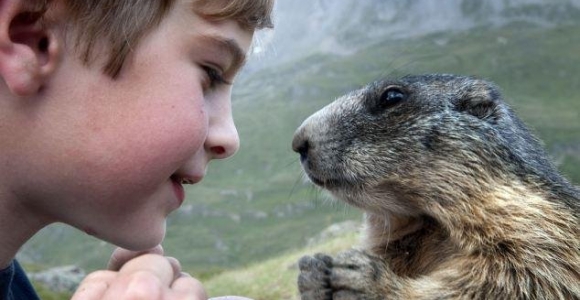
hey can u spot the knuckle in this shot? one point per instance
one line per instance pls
(143, 285)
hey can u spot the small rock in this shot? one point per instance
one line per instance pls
(60, 279)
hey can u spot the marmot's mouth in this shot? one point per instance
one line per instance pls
(326, 183)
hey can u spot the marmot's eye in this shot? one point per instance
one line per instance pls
(391, 96)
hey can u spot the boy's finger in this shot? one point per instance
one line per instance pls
(120, 256)
(153, 264)
(175, 265)
(94, 285)
(187, 287)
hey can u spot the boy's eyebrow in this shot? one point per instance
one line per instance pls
(229, 46)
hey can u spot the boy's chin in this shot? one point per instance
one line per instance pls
(140, 241)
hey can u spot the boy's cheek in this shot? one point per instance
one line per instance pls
(110, 168)
(158, 146)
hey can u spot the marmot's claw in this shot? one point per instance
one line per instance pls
(350, 275)
(313, 281)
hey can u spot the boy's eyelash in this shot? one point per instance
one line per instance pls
(215, 77)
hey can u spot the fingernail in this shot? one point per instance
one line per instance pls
(184, 274)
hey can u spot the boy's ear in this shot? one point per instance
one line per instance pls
(28, 50)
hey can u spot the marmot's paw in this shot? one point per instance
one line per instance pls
(351, 275)
(313, 281)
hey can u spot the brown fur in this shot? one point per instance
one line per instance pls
(461, 202)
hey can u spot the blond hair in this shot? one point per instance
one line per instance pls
(122, 23)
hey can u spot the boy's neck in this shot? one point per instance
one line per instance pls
(17, 225)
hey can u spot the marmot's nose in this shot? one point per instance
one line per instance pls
(301, 145)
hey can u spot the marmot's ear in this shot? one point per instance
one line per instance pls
(480, 99)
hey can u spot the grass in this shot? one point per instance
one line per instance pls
(274, 278)
(45, 294)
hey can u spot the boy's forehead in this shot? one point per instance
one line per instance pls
(250, 14)
(226, 35)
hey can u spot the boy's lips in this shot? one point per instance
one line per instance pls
(178, 190)
(178, 183)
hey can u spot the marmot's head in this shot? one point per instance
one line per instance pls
(418, 136)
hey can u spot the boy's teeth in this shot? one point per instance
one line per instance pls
(186, 181)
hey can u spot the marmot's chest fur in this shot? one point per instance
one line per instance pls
(460, 198)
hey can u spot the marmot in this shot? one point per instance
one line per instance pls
(460, 199)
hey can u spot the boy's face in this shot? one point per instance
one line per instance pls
(107, 155)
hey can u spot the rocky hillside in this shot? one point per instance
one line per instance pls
(343, 27)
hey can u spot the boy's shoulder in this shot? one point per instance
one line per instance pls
(14, 283)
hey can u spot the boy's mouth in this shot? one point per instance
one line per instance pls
(178, 189)
(179, 181)
(186, 180)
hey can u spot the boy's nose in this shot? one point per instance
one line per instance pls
(222, 140)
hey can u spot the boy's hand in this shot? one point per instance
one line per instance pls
(148, 276)
(120, 256)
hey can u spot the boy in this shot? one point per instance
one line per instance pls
(106, 109)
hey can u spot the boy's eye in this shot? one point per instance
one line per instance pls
(214, 77)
